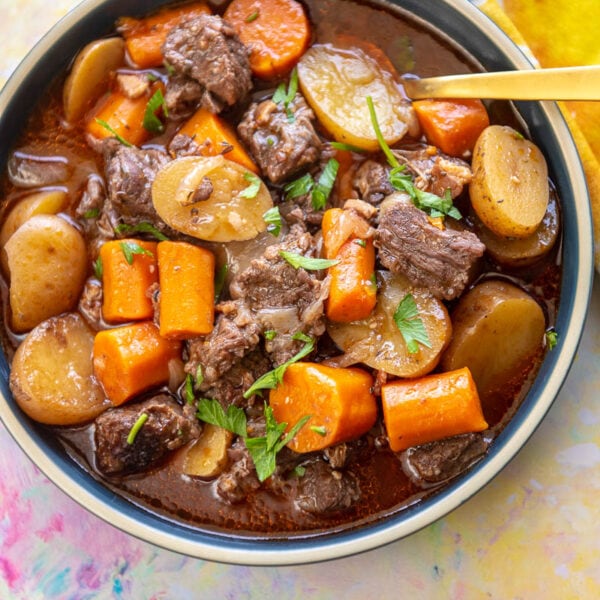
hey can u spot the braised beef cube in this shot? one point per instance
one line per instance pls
(130, 172)
(437, 259)
(240, 479)
(210, 65)
(168, 427)
(444, 459)
(372, 181)
(325, 490)
(282, 139)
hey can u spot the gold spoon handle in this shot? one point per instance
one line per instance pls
(564, 83)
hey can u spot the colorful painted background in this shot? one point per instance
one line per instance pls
(533, 533)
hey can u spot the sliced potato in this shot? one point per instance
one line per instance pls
(207, 456)
(47, 262)
(89, 74)
(497, 328)
(520, 252)
(51, 377)
(210, 198)
(336, 82)
(42, 203)
(509, 191)
(377, 341)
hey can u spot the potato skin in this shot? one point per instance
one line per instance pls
(47, 261)
(509, 190)
(497, 328)
(51, 376)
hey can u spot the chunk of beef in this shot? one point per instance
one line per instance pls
(29, 171)
(240, 479)
(325, 490)
(372, 181)
(90, 303)
(129, 173)
(183, 145)
(437, 259)
(444, 459)
(210, 63)
(270, 282)
(235, 334)
(282, 140)
(168, 427)
(92, 199)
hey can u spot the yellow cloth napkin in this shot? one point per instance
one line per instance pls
(561, 33)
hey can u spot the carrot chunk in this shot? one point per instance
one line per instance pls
(187, 290)
(452, 125)
(339, 402)
(277, 31)
(417, 411)
(215, 136)
(128, 270)
(131, 359)
(353, 291)
(144, 37)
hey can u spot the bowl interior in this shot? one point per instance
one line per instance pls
(467, 27)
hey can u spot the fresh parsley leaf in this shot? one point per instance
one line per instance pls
(306, 262)
(270, 334)
(319, 429)
(130, 249)
(360, 242)
(392, 160)
(299, 187)
(220, 277)
(285, 96)
(234, 419)
(143, 227)
(348, 147)
(189, 389)
(299, 471)
(273, 220)
(151, 121)
(551, 338)
(324, 184)
(93, 213)
(119, 138)
(98, 268)
(199, 376)
(410, 325)
(136, 428)
(271, 379)
(252, 190)
(252, 17)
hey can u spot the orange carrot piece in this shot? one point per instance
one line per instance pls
(187, 290)
(339, 402)
(125, 286)
(418, 411)
(124, 116)
(215, 136)
(353, 290)
(277, 31)
(452, 125)
(131, 359)
(144, 37)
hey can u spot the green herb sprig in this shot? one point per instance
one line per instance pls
(411, 326)
(319, 190)
(119, 138)
(285, 95)
(306, 262)
(252, 190)
(272, 218)
(143, 227)
(130, 249)
(151, 121)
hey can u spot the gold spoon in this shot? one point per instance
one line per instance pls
(564, 83)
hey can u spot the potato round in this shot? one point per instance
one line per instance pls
(497, 327)
(336, 83)
(51, 377)
(90, 71)
(207, 456)
(509, 191)
(47, 261)
(225, 214)
(377, 341)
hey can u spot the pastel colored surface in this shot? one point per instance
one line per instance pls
(532, 533)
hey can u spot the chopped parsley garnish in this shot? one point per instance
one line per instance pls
(285, 95)
(310, 264)
(136, 428)
(264, 449)
(93, 213)
(143, 227)
(170, 69)
(130, 249)
(270, 334)
(299, 187)
(319, 429)
(98, 268)
(271, 379)
(189, 389)
(299, 471)
(360, 242)
(220, 277)
(551, 338)
(252, 17)
(273, 220)
(119, 138)
(199, 376)
(431, 204)
(410, 324)
(252, 190)
(319, 190)
(151, 121)
(348, 147)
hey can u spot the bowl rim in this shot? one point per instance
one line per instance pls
(124, 515)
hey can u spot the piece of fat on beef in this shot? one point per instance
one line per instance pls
(169, 426)
(281, 139)
(210, 65)
(440, 260)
